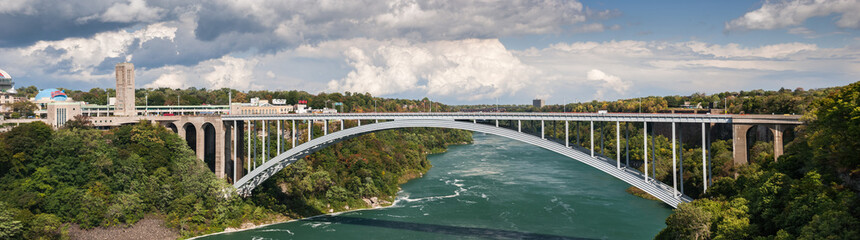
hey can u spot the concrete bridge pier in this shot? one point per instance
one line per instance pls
(740, 143)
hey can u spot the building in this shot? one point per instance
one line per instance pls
(538, 103)
(61, 112)
(6, 82)
(257, 106)
(125, 90)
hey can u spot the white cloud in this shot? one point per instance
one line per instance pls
(411, 19)
(132, 11)
(229, 72)
(607, 82)
(84, 54)
(469, 69)
(733, 50)
(224, 72)
(660, 67)
(172, 79)
(16, 6)
(780, 14)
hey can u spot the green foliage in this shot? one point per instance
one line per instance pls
(46, 226)
(9, 227)
(95, 178)
(341, 175)
(833, 132)
(687, 222)
(807, 194)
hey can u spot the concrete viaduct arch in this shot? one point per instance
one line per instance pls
(256, 177)
(205, 135)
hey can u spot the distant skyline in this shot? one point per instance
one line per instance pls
(456, 52)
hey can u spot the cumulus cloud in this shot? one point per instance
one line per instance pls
(84, 54)
(224, 72)
(607, 82)
(468, 69)
(133, 11)
(780, 14)
(16, 6)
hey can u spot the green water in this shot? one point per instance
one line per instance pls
(495, 188)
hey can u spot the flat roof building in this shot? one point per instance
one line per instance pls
(538, 103)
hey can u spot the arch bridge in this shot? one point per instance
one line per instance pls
(254, 153)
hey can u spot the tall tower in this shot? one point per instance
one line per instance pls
(124, 90)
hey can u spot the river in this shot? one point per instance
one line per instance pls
(496, 188)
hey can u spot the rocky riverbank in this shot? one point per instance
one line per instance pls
(150, 227)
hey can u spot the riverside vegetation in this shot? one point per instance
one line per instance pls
(50, 179)
(811, 192)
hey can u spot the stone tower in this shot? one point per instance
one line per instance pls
(125, 90)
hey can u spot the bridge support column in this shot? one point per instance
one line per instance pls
(519, 126)
(264, 143)
(497, 122)
(325, 127)
(674, 164)
(234, 145)
(627, 144)
(739, 144)
(248, 160)
(618, 145)
(221, 140)
(566, 134)
(592, 138)
(238, 161)
(645, 147)
(777, 141)
(341, 124)
(279, 137)
(201, 142)
(542, 136)
(704, 158)
(310, 130)
(293, 132)
(359, 122)
(475, 121)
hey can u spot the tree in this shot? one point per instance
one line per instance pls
(24, 108)
(79, 122)
(687, 222)
(9, 228)
(834, 129)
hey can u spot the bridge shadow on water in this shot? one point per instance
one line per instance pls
(440, 229)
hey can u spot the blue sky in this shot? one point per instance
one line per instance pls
(457, 52)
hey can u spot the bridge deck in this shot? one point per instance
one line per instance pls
(598, 117)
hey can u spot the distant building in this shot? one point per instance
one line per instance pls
(6, 83)
(257, 106)
(125, 90)
(689, 105)
(538, 103)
